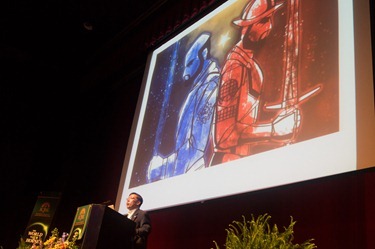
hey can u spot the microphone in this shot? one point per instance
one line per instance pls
(105, 202)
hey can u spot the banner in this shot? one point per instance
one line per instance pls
(41, 218)
(80, 222)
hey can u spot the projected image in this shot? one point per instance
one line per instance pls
(257, 76)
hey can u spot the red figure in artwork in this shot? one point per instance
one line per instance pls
(237, 126)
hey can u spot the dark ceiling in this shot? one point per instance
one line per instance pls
(64, 33)
(46, 48)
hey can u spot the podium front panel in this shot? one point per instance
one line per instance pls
(106, 229)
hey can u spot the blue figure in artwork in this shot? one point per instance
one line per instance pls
(193, 138)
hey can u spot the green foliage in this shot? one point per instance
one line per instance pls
(258, 234)
(22, 244)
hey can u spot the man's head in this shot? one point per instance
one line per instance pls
(134, 201)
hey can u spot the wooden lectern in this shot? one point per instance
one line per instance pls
(103, 228)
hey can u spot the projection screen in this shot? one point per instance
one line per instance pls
(253, 96)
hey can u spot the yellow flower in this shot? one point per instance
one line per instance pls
(49, 241)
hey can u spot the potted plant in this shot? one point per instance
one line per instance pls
(258, 233)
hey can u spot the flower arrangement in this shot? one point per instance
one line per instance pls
(53, 242)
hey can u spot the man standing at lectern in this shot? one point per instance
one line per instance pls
(141, 219)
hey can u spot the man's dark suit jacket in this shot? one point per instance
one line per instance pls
(142, 228)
